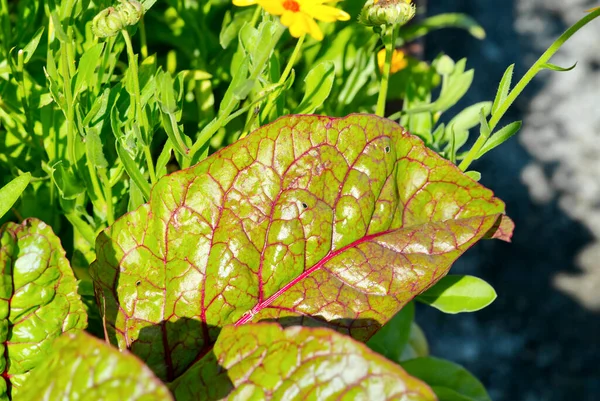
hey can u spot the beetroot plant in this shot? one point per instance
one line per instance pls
(181, 225)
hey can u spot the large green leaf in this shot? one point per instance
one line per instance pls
(84, 368)
(309, 220)
(265, 362)
(38, 299)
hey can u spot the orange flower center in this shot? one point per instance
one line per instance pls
(291, 5)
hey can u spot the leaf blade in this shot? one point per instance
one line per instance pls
(275, 214)
(11, 192)
(268, 362)
(457, 294)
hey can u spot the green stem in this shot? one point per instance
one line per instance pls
(292, 60)
(389, 41)
(527, 78)
(139, 113)
(539, 65)
(284, 76)
(255, 16)
(144, 44)
(70, 112)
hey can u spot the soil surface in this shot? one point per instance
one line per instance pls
(540, 340)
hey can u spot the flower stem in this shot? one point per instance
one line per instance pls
(389, 39)
(527, 78)
(144, 44)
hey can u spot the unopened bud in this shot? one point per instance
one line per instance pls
(387, 12)
(111, 20)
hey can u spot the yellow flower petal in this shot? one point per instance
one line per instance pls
(244, 3)
(326, 13)
(273, 7)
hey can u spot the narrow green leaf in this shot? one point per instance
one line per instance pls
(163, 159)
(554, 67)
(500, 137)
(266, 362)
(319, 82)
(98, 109)
(38, 300)
(391, 340)
(169, 124)
(93, 147)
(30, 47)
(446, 20)
(449, 381)
(484, 128)
(133, 171)
(82, 367)
(457, 294)
(12, 191)
(232, 26)
(503, 88)
(87, 68)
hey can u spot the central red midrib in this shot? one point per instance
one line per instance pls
(246, 317)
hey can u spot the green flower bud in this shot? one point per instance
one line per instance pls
(111, 20)
(387, 12)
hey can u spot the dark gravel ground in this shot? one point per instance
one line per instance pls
(536, 342)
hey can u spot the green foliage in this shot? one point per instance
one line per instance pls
(456, 294)
(112, 129)
(449, 381)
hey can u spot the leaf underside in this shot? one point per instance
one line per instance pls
(38, 300)
(319, 221)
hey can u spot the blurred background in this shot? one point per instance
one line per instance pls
(540, 340)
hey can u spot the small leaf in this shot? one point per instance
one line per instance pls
(265, 362)
(81, 367)
(449, 381)
(87, 68)
(474, 175)
(319, 82)
(468, 118)
(231, 27)
(133, 170)
(38, 299)
(554, 67)
(390, 341)
(93, 147)
(66, 181)
(457, 294)
(503, 88)
(30, 47)
(12, 191)
(500, 137)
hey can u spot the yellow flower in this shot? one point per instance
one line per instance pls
(399, 62)
(299, 15)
